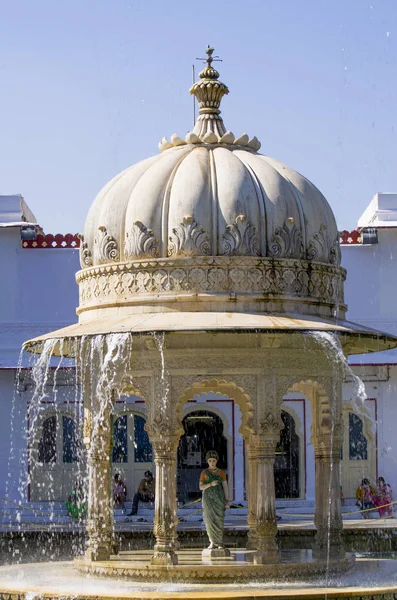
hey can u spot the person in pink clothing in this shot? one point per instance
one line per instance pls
(384, 495)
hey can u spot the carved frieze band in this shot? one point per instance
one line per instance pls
(243, 275)
(189, 238)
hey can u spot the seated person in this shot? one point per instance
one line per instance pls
(383, 498)
(145, 492)
(119, 491)
(76, 504)
(365, 495)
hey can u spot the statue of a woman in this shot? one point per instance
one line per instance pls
(215, 500)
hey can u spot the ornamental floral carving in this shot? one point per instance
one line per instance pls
(335, 254)
(287, 241)
(240, 238)
(271, 424)
(141, 242)
(85, 253)
(189, 239)
(107, 250)
(320, 249)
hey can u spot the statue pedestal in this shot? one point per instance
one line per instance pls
(215, 553)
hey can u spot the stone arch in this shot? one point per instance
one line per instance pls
(48, 411)
(53, 479)
(363, 413)
(192, 408)
(227, 388)
(139, 409)
(137, 386)
(318, 396)
(205, 407)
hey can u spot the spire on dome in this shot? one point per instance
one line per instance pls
(209, 92)
(209, 127)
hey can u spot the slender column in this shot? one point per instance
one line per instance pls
(328, 515)
(100, 505)
(165, 512)
(266, 523)
(252, 479)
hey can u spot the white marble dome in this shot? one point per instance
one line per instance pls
(210, 225)
(209, 200)
(210, 194)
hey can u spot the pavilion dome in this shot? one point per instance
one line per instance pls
(207, 220)
(210, 236)
(209, 194)
(210, 199)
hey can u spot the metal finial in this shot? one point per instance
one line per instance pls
(210, 59)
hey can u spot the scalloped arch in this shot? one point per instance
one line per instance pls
(228, 388)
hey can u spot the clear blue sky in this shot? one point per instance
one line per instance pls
(88, 87)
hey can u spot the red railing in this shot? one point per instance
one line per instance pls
(350, 237)
(69, 240)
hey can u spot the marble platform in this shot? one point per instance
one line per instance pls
(369, 578)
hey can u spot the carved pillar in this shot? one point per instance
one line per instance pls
(328, 515)
(165, 512)
(327, 447)
(265, 526)
(101, 543)
(252, 479)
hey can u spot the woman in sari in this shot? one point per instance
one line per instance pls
(384, 495)
(213, 484)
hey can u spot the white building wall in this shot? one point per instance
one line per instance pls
(387, 429)
(370, 289)
(12, 428)
(39, 292)
(370, 293)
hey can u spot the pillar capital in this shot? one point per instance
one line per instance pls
(163, 430)
(262, 446)
(328, 447)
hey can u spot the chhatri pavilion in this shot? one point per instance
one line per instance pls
(211, 268)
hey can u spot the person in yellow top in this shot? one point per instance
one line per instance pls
(365, 495)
